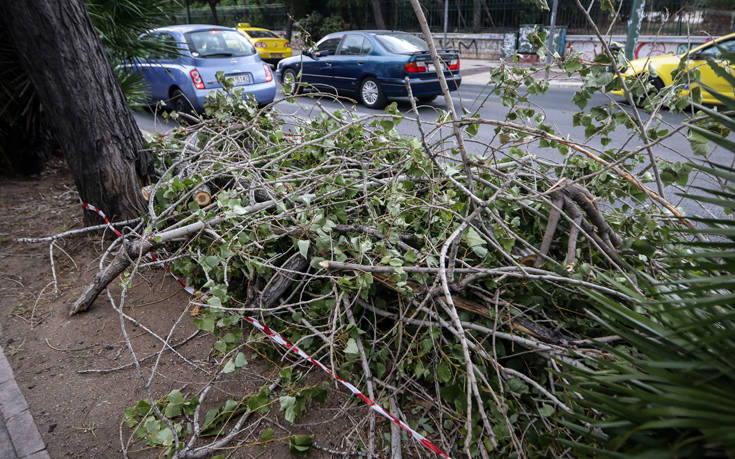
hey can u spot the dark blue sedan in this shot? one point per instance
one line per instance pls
(372, 65)
(185, 73)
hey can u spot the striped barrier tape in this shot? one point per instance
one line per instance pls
(285, 343)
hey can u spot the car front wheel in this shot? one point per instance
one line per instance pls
(371, 95)
(290, 77)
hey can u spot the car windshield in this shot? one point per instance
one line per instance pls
(218, 43)
(402, 43)
(261, 34)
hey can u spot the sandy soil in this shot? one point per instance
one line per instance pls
(79, 415)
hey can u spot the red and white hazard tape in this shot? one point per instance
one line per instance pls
(283, 342)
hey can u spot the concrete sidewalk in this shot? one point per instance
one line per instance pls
(19, 437)
(477, 71)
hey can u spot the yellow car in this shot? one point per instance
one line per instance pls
(271, 47)
(658, 69)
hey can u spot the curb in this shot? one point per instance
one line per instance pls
(19, 436)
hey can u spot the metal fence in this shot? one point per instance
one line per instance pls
(270, 16)
(665, 17)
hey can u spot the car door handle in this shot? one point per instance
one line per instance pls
(360, 62)
(327, 64)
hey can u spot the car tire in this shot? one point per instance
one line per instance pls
(427, 99)
(371, 94)
(657, 85)
(294, 77)
(180, 103)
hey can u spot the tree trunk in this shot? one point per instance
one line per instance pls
(476, 15)
(289, 24)
(378, 14)
(213, 9)
(60, 51)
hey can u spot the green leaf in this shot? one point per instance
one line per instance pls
(300, 445)
(229, 367)
(475, 242)
(163, 437)
(443, 372)
(267, 435)
(580, 99)
(351, 347)
(472, 129)
(175, 402)
(546, 410)
(304, 248)
(240, 360)
(211, 261)
(288, 406)
(205, 324)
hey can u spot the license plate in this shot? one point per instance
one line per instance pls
(241, 79)
(276, 55)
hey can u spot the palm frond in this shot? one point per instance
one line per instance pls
(666, 391)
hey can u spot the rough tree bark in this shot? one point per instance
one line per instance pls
(60, 51)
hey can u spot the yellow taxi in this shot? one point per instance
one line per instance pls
(659, 69)
(271, 46)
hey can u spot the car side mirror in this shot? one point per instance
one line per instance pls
(695, 57)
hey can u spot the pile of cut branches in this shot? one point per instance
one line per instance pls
(449, 287)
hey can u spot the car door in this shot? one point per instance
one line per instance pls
(349, 64)
(704, 60)
(317, 70)
(156, 68)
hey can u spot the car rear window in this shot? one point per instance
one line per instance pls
(402, 43)
(261, 34)
(216, 43)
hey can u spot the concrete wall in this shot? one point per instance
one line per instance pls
(494, 46)
(648, 45)
(478, 46)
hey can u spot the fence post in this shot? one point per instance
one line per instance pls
(552, 24)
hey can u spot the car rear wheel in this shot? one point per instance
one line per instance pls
(371, 95)
(291, 77)
(180, 103)
(426, 99)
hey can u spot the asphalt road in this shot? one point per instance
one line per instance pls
(556, 106)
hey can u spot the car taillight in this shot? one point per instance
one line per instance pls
(287, 45)
(197, 79)
(260, 44)
(413, 67)
(454, 64)
(268, 73)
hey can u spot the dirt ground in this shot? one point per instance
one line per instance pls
(79, 415)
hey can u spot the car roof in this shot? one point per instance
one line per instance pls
(185, 28)
(716, 40)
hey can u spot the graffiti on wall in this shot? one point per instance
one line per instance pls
(465, 46)
(589, 49)
(652, 49)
